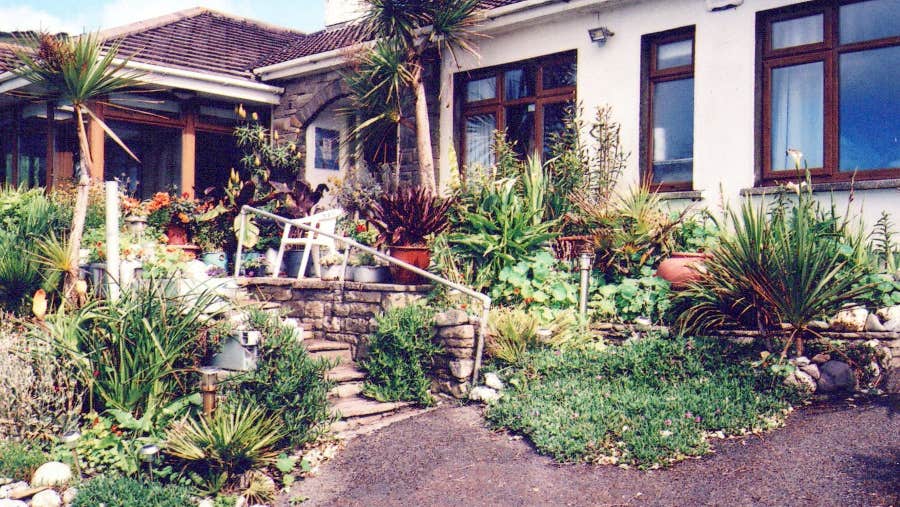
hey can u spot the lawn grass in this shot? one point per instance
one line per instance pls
(646, 403)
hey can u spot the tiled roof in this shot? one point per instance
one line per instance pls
(204, 40)
(7, 57)
(339, 37)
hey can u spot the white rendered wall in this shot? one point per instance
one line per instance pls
(610, 74)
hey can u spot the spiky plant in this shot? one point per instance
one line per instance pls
(410, 215)
(76, 70)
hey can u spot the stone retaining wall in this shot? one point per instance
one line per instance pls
(457, 334)
(333, 310)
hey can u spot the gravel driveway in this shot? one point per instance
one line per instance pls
(836, 453)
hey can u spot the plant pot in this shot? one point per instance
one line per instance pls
(370, 274)
(332, 272)
(418, 256)
(291, 263)
(217, 259)
(681, 268)
(135, 224)
(177, 234)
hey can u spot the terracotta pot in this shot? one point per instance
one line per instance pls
(177, 234)
(682, 268)
(418, 256)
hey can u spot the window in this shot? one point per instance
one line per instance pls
(828, 73)
(668, 110)
(528, 100)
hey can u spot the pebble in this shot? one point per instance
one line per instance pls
(46, 498)
(493, 381)
(485, 394)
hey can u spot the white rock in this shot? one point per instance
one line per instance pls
(485, 394)
(801, 380)
(811, 370)
(873, 324)
(46, 498)
(889, 313)
(851, 319)
(206, 502)
(52, 473)
(12, 503)
(892, 325)
(818, 325)
(69, 495)
(5, 490)
(800, 361)
(493, 381)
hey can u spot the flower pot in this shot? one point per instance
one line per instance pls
(332, 272)
(177, 234)
(291, 263)
(217, 259)
(418, 256)
(135, 224)
(370, 274)
(681, 268)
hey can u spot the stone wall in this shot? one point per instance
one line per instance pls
(333, 310)
(457, 334)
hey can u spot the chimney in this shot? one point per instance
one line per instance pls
(342, 11)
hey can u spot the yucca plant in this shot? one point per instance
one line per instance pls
(216, 450)
(409, 216)
(512, 333)
(789, 266)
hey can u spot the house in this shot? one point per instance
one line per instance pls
(710, 94)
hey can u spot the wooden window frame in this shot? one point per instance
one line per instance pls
(497, 105)
(828, 52)
(650, 77)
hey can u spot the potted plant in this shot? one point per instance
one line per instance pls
(405, 220)
(365, 268)
(332, 266)
(210, 237)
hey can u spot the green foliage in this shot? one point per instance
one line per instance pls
(103, 448)
(630, 298)
(697, 232)
(790, 265)
(19, 460)
(117, 491)
(400, 355)
(286, 382)
(216, 450)
(512, 333)
(540, 281)
(884, 248)
(409, 216)
(647, 403)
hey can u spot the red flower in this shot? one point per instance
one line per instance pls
(361, 227)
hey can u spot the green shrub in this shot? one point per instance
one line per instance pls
(645, 403)
(287, 382)
(539, 281)
(512, 333)
(216, 450)
(400, 354)
(647, 297)
(117, 491)
(18, 461)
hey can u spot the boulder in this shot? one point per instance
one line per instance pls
(836, 376)
(850, 319)
(889, 313)
(46, 498)
(892, 325)
(801, 380)
(52, 473)
(493, 381)
(484, 393)
(873, 324)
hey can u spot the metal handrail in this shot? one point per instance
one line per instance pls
(484, 299)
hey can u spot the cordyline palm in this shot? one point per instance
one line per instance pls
(414, 27)
(75, 70)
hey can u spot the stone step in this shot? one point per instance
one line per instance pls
(345, 373)
(349, 428)
(345, 390)
(336, 356)
(324, 345)
(356, 406)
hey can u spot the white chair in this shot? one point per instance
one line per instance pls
(312, 242)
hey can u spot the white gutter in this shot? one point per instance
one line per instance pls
(498, 19)
(212, 84)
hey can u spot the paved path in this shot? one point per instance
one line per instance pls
(829, 454)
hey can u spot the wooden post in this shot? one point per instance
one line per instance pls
(112, 240)
(188, 153)
(96, 140)
(51, 176)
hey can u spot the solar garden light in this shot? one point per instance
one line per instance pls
(70, 440)
(209, 378)
(148, 455)
(585, 264)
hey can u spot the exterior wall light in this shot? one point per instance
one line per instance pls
(600, 35)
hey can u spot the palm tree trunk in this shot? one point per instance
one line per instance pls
(82, 196)
(423, 131)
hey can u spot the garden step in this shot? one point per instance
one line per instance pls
(349, 428)
(324, 345)
(345, 373)
(339, 356)
(345, 390)
(357, 406)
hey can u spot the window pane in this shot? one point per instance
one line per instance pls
(870, 20)
(797, 32)
(519, 83)
(159, 151)
(870, 109)
(481, 89)
(520, 128)
(559, 74)
(797, 114)
(674, 54)
(555, 116)
(479, 140)
(673, 131)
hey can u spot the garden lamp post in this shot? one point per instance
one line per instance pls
(585, 264)
(208, 379)
(148, 455)
(70, 440)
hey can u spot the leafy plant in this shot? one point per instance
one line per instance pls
(287, 382)
(236, 439)
(535, 281)
(409, 216)
(647, 297)
(883, 246)
(512, 333)
(118, 491)
(19, 460)
(400, 355)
